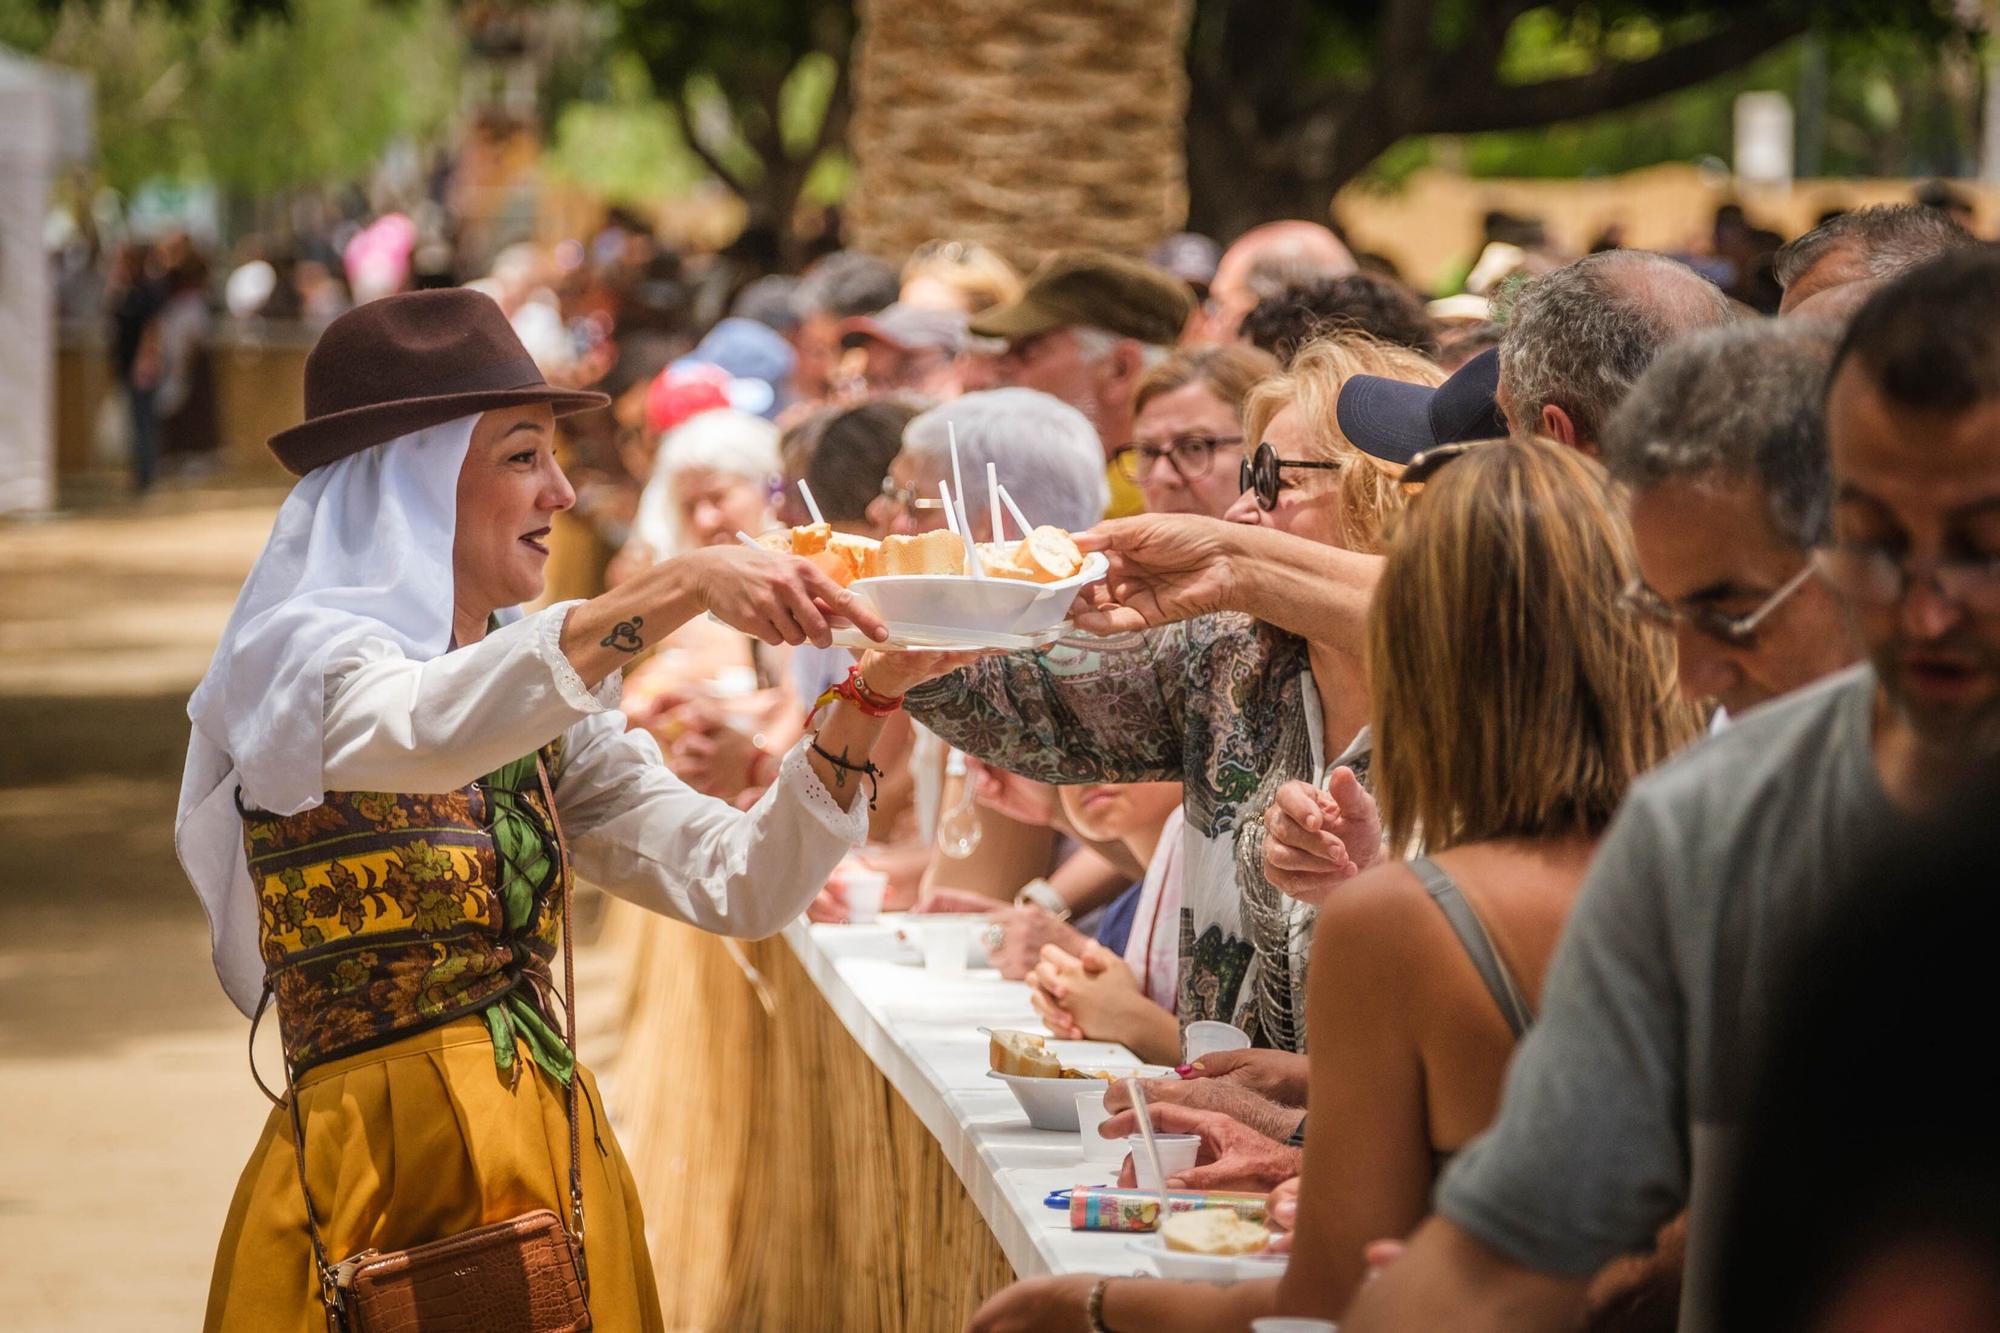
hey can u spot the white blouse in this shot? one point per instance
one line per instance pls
(633, 827)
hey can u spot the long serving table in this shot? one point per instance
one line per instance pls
(835, 1156)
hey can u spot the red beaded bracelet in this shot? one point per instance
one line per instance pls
(856, 692)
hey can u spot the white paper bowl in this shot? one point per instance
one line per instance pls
(987, 606)
(1219, 1268)
(1051, 1102)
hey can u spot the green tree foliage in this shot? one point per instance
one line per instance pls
(258, 99)
(1289, 99)
(760, 88)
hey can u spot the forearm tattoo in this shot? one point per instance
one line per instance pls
(624, 636)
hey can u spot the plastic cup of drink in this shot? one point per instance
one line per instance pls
(864, 890)
(1207, 1037)
(945, 943)
(1177, 1154)
(1090, 1113)
(1292, 1324)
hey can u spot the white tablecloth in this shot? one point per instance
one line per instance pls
(922, 1032)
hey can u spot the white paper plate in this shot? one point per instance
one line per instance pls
(1219, 1268)
(935, 639)
(932, 639)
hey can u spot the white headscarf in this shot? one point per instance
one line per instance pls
(361, 549)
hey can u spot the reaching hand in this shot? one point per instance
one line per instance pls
(1315, 840)
(1282, 1208)
(894, 672)
(1232, 1156)
(1213, 1094)
(1023, 933)
(1164, 567)
(777, 598)
(1278, 1076)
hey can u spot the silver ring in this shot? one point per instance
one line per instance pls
(992, 935)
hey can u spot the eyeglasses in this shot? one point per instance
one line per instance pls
(906, 497)
(1872, 576)
(1260, 473)
(1736, 631)
(1190, 456)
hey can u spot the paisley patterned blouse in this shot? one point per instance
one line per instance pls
(1224, 705)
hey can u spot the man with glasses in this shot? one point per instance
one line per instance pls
(1089, 325)
(1721, 448)
(1622, 1105)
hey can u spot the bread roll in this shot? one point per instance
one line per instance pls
(1213, 1231)
(939, 552)
(811, 539)
(1024, 1053)
(1049, 555)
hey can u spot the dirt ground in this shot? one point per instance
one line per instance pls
(129, 1105)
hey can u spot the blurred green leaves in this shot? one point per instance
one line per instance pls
(257, 100)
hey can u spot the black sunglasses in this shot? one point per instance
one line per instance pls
(1259, 473)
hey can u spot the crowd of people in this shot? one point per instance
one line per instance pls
(1488, 706)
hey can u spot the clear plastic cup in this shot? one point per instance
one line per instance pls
(945, 943)
(1177, 1154)
(1090, 1113)
(863, 890)
(1206, 1037)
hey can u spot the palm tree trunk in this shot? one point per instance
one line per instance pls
(1029, 128)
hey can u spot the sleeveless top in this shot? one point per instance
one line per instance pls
(1478, 945)
(382, 914)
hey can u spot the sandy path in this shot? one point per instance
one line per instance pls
(129, 1105)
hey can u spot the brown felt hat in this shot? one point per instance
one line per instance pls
(1094, 287)
(405, 363)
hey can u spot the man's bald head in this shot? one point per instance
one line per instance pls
(1265, 260)
(1578, 337)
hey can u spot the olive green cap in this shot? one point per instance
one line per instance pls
(1094, 287)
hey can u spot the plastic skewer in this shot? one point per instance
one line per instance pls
(950, 514)
(993, 504)
(972, 562)
(1152, 1149)
(964, 531)
(812, 505)
(1020, 519)
(748, 540)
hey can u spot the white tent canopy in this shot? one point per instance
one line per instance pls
(47, 112)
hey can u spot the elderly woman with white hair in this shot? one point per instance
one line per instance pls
(1043, 450)
(715, 474)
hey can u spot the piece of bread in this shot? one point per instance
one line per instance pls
(997, 559)
(778, 539)
(939, 552)
(846, 558)
(1024, 1053)
(811, 539)
(1049, 555)
(1213, 1231)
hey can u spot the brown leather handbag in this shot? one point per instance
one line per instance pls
(523, 1275)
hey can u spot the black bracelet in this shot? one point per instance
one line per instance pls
(869, 773)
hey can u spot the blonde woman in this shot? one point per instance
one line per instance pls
(1514, 704)
(1227, 705)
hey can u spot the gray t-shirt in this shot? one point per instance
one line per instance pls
(1622, 1103)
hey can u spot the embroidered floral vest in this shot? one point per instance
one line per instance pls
(380, 915)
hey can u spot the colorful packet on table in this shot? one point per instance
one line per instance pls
(1107, 1208)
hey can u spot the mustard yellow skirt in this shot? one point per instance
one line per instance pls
(413, 1142)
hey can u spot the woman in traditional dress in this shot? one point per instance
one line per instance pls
(389, 772)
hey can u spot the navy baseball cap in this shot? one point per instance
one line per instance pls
(1395, 422)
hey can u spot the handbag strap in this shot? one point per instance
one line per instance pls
(566, 883)
(329, 1273)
